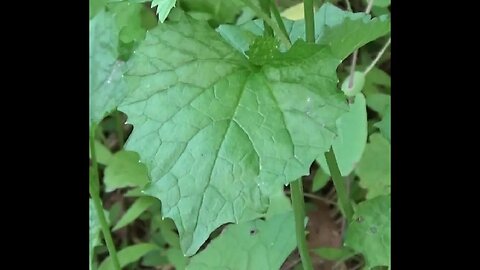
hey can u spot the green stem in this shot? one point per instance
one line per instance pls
(278, 18)
(119, 127)
(283, 38)
(309, 21)
(379, 55)
(349, 6)
(352, 68)
(369, 6)
(298, 204)
(94, 188)
(267, 29)
(338, 181)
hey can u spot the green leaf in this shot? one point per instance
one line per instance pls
(237, 37)
(352, 138)
(94, 231)
(216, 142)
(334, 254)
(128, 255)
(102, 152)
(258, 245)
(376, 81)
(247, 15)
(155, 258)
(128, 17)
(163, 8)
(167, 228)
(134, 192)
(263, 50)
(125, 170)
(107, 87)
(342, 31)
(279, 203)
(220, 11)
(320, 180)
(115, 212)
(374, 167)
(137, 208)
(357, 86)
(294, 13)
(380, 3)
(96, 6)
(369, 232)
(379, 102)
(384, 125)
(175, 256)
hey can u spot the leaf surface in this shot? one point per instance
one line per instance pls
(218, 133)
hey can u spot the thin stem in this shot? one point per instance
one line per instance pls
(94, 188)
(343, 199)
(309, 21)
(379, 55)
(298, 204)
(119, 128)
(278, 18)
(283, 38)
(267, 29)
(344, 221)
(355, 53)
(314, 197)
(352, 68)
(369, 6)
(349, 7)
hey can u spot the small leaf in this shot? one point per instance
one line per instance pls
(176, 257)
(102, 152)
(137, 208)
(106, 85)
(263, 50)
(128, 17)
(350, 143)
(341, 30)
(96, 6)
(320, 180)
(125, 170)
(374, 167)
(384, 125)
(237, 37)
(379, 3)
(369, 232)
(334, 254)
(258, 245)
(220, 11)
(378, 102)
(279, 203)
(128, 255)
(166, 228)
(134, 192)
(155, 258)
(294, 12)
(376, 81)
(115, 212)
(357, 86)
(163, 8)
